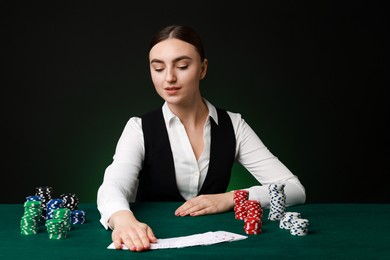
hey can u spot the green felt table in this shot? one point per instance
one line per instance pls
(336, 231)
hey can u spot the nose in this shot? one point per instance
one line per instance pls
(170, 76)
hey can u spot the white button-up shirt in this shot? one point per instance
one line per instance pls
(120, 181)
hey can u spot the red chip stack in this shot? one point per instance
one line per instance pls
(252, 225)
(248, 210)
(240, 196)
(254, 214)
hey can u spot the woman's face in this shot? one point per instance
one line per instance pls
(176, 70)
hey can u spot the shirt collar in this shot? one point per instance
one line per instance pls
(169, 115)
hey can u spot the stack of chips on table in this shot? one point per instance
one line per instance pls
(56, 228)
(52, 205)
(78, 217)
(277, 201)
(251, 212)
(248, 210)
(37, 198)
(58, 225)
(253, 219)
(239, 198)
(299, 227)
(64, 214)
(286, 220)
(29, 222)
(70, 201)
(44, 193)
(292, 221)
(56, 214)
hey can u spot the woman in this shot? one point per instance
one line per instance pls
(184, 150)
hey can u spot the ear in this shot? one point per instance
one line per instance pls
(204, 68)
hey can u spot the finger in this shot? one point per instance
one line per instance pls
(144, 239)
(186, 205)
(135, 243)
(191, 210)
(200, 212)
(183, 212)
(182, 208)
(190, 206)
(117, 242)
(151, 235)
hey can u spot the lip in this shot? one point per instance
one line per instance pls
(172, 90)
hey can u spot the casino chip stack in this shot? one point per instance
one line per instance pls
(64, 214)
(56, 228)
(77, 217)
(52, 205)
(251, 212)
(299, 227)
(253, 218)
(70, 201)
(57, 214)
(37, 198)
(286, 220)
(240, 196)
(292, 221)
(29, 222)
(45, 194)
(277, 201)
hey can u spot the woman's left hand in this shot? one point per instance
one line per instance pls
(206, 204)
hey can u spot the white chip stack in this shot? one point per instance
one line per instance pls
(299, 227)
(286, 220)
(277, 201)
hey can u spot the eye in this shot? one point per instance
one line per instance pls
(158, 69)
(182, 67)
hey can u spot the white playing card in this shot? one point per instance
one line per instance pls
(207, 238)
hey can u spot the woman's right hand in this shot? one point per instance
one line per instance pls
(127, 230)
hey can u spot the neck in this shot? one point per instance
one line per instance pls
(191, 114)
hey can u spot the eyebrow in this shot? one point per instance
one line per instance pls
(183, 57)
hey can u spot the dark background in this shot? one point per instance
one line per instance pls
(307, 76)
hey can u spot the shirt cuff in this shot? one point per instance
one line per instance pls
(106, 214)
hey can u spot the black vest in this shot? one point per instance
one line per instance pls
(157, 180)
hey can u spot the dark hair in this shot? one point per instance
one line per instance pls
(180, 32)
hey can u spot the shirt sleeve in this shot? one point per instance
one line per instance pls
(264, 166)
(120, 182)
